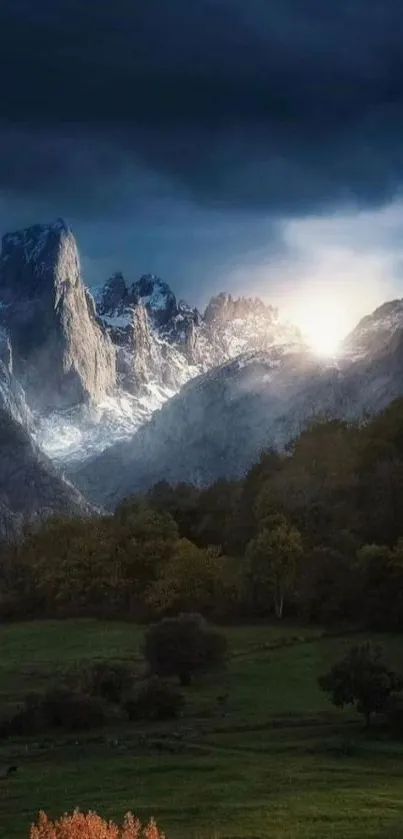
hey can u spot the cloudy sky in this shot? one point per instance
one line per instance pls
(249, 146)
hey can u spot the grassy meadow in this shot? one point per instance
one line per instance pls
(259, 752)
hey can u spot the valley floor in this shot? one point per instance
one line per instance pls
(275, 760)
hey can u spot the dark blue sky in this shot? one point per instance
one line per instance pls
(199, 139)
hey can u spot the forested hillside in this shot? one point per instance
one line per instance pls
(314, 533)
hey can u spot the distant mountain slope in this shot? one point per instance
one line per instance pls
(30, 487)
(216, 426)
(220, 422)
(374, 332)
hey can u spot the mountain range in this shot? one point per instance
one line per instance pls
(130, 386)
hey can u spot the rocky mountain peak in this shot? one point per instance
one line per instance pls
(36, 235)
(156, 296)
(114, 295)
(224, 308)
(143, 345)
(60, 353)
(39, 249)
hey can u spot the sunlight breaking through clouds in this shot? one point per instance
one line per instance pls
(333, 270)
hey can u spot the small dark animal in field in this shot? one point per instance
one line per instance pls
(7, 771)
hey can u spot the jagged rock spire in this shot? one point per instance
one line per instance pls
(60, 353)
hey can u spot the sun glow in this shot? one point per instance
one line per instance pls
(339, 270)
(324, 323)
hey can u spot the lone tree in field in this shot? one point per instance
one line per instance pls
(183, 646)
(272, 559)
(361, 679)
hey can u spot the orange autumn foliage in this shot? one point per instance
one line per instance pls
(91, 826)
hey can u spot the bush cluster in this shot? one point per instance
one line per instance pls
(184, 646)
(176, 647)
(59, 707)
(154, 699)
(109, 680)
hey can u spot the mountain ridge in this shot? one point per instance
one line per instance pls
(219, 424)
(154, 344)
(136, 385)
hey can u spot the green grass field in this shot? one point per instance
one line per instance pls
(279, 762)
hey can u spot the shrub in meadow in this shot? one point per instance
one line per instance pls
(72, 710)
(107, 679)
(183, 646)
(59, 707)
(154, 699)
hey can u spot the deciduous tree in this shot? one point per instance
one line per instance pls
(272, 560)
(361, 679)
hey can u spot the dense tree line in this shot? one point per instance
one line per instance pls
(315, 532)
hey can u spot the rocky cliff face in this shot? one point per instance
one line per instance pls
(164, 343)
(157, 297)
(154, 354)
(61, 355)
(12, 396)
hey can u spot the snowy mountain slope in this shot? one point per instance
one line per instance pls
(216, 426)
(74, 434)
(227, 328)
(160, 345)
(219, 423)
(373, 332)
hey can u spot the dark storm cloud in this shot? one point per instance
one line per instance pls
(284, 106)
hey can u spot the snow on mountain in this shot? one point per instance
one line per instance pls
(83, 375)
(157, 297)
(161, 344)
(89, 373)
(374, 331)
(235, 326)
(69, 436)
(220, 422)
(217, 425)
